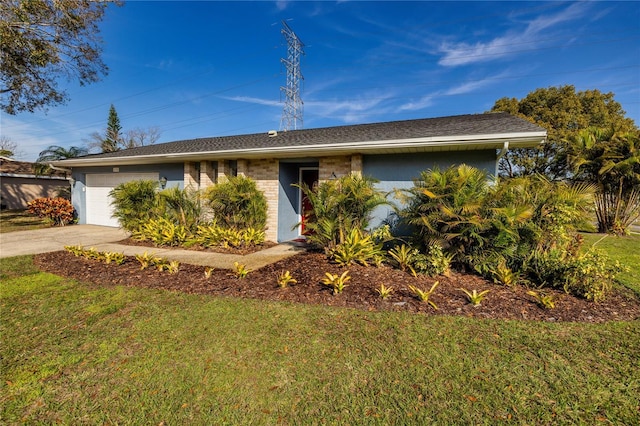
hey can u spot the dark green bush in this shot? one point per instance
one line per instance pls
(135, 203)
(181, 206)
(237, 203)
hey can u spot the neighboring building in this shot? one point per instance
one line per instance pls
(19, 184)
(393, 152)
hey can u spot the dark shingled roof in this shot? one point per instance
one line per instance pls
(461, 125)
(10, 167)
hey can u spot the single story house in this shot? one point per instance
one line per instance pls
(392, 152)
(20, 184)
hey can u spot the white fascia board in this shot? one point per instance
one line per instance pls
(27, 176)
(527, 139)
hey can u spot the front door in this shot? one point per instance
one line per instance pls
(308, 176)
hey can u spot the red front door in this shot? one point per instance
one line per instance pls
(308, 176)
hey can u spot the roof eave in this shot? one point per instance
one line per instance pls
(464, 142)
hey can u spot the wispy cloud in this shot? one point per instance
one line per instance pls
(458, 89)
(32, 138)
(511, 43)
(252, 100)
(415, 105)
(348, 111)
(163, 64)
(282, 4)
(474, 85)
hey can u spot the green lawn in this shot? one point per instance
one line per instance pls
(75, 353)
(624, 249)
(20, 220)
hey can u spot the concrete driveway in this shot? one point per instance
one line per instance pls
(104, 238)
(53, 239)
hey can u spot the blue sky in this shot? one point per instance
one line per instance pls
(209, 68)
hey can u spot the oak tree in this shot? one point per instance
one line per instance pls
(42, 42)
(563, 112)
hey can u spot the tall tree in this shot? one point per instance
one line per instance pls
(42, 41)
(114, 139)
(563, 112)
(113, 134)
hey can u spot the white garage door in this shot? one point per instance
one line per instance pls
(98, 202)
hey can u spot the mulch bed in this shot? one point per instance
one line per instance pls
(244, 250)
(309, 268)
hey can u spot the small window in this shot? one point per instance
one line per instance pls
(233, 167)
(196, 173)
(214, 171)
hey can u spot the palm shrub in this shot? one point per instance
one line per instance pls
(534, 214)
(181, 206)
(518, 228)
(134, 203)
(237, 203)
(534, 224)
(447, 206)
(340, 205)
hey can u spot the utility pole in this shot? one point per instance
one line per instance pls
(293, 105)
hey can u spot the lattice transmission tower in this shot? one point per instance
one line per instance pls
(293, 105)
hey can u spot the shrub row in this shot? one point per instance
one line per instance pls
(515, 231)
(146, 260)
(163, 232)
(231, 213)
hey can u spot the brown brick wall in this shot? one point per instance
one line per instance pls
(265, 173)
(356, 164)
(243, 167)
(334, 167)
(223, 170)
(191, 177)
(207, 174)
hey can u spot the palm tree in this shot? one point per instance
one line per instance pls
(611, 160)
(55, 153)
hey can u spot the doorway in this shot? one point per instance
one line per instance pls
(309, 177)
